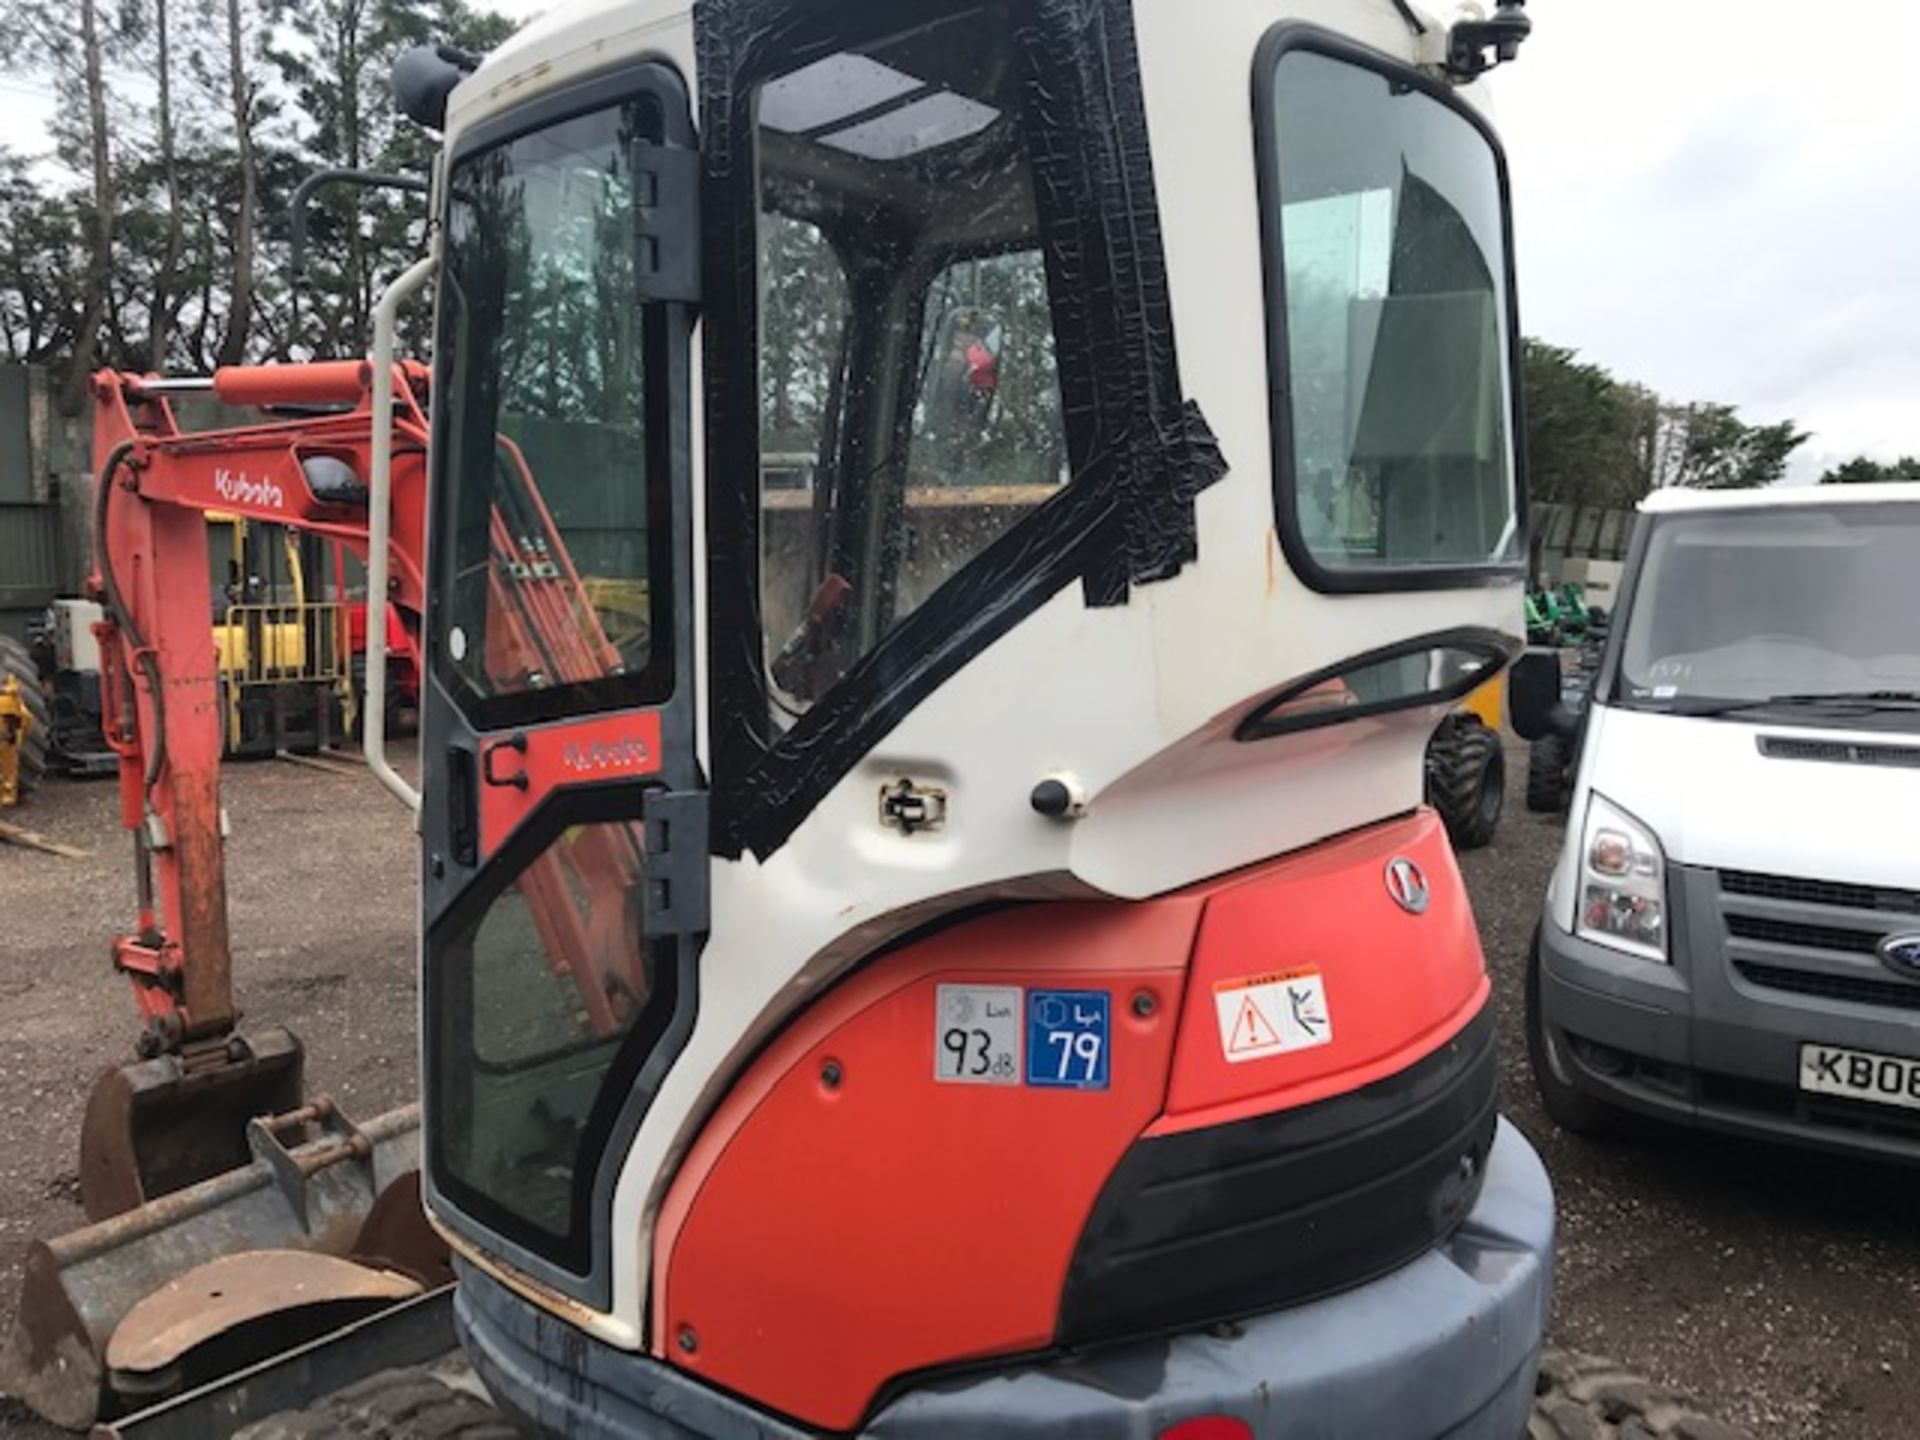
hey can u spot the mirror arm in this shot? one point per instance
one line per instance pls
(303, 192)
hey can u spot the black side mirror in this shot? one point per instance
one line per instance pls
(1533, 696)
(422, 79)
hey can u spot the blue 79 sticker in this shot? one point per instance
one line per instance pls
(1067, 1039)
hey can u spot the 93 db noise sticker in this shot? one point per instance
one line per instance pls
(977, 1030)
(1264, 1015)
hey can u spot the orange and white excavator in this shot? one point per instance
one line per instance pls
(974, 961)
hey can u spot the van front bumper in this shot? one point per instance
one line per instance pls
(1443, 1348)
(1759, 967)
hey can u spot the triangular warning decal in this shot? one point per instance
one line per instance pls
(1252, 1030)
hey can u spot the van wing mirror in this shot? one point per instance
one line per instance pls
(1533, 696)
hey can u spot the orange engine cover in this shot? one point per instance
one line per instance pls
(848, 1218)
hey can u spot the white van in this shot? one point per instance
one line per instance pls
(1732, 935)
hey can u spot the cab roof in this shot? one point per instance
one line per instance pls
(579, 37)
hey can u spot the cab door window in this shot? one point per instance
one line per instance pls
(549, 542)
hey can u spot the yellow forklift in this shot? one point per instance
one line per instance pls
(25, 723)
(280, 631)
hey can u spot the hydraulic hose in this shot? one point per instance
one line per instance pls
(123, 616)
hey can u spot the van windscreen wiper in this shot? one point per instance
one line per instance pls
(1868, 700)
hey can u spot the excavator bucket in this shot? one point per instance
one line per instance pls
(160, 1125)
(132, 1308)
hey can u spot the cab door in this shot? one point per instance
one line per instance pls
(563, 815)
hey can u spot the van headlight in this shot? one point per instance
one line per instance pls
(1623, 882)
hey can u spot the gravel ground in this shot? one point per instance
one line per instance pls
(320, 888)
(1777, 1288)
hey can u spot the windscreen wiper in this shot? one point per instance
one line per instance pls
(1866, 700)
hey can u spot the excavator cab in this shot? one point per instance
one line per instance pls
(982, 965)
(940, 536)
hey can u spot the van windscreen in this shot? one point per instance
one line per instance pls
(1808, 609)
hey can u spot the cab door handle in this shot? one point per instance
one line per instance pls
(518, 779)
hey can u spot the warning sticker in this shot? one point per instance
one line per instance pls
(1263, 1015)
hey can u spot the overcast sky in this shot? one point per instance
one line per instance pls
(1720, 198)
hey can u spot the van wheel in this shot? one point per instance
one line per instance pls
(1573, 1110)
(1467, 779)
(1550, 775)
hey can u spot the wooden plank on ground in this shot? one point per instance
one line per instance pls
(325, 764)
(34, 840)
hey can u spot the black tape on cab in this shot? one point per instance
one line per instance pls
(1137, 452)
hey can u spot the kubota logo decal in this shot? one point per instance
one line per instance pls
(1407, 884)
(603, 755)
(234, 485)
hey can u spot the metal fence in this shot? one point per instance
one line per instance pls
(43, 484)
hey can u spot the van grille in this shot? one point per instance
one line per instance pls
(1818, 892)
(1807, 937)
(1840, 752)
(1856, 989)
(1817, 938)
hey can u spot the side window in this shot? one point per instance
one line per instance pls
(1389, 285)
(1420, 672)
(910, 410)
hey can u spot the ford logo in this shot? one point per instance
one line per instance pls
(1901, 954)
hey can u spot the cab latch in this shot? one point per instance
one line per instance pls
(907, 807)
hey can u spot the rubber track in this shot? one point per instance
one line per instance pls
(411, 1404)
(1581, 1397)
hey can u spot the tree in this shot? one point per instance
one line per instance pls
(1862, 471)
(164, 298)
(43, 266)
(155, 233)
(1589, 436)
(334, 58)
(1708, 447)
(241, 94)
(42, 36)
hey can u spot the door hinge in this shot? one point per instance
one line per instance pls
(677, 881)
(666, 222)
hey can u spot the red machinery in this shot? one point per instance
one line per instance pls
(186, 1116)
(179, 1115)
